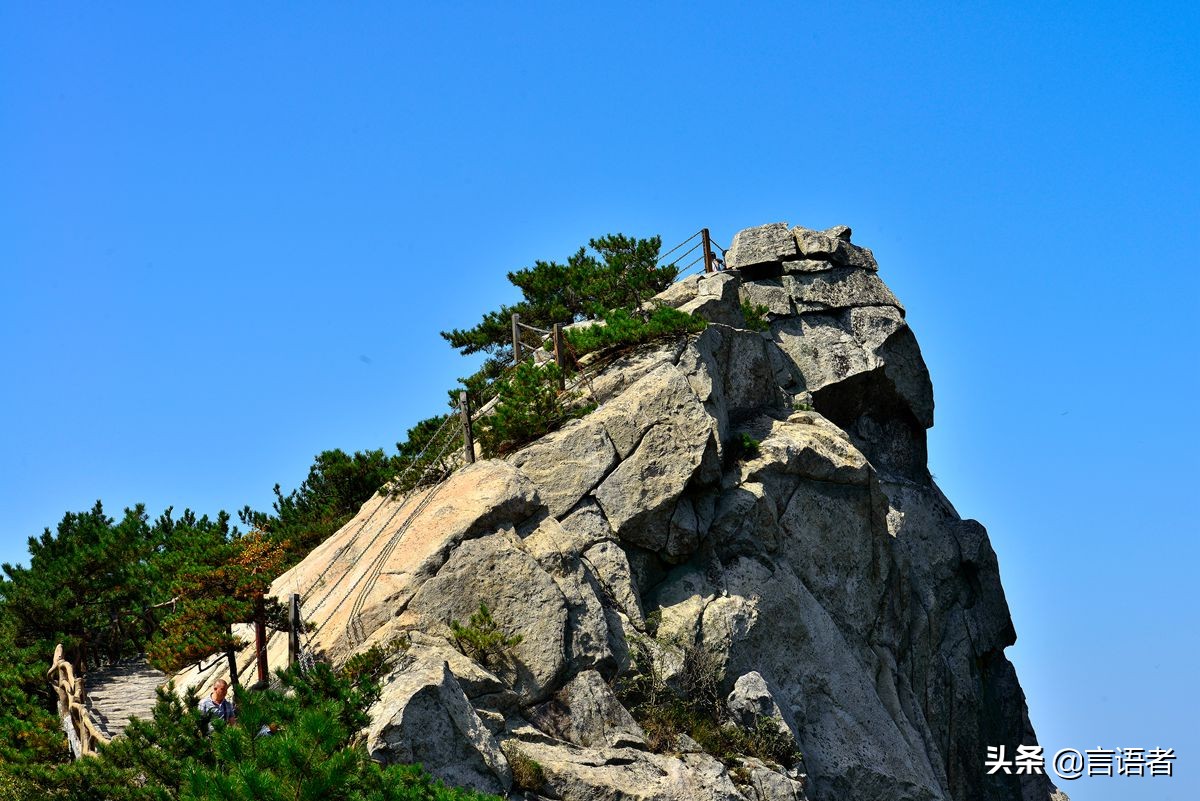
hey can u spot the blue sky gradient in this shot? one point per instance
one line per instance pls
(229, 237)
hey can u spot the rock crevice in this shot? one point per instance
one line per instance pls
(748, 509)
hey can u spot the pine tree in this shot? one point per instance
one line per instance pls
(227, 587)
(622, 273)
(309, 756)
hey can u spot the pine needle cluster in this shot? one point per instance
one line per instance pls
(483, 640)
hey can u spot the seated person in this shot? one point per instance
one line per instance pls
(217, 705)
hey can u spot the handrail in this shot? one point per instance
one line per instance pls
(81, 730)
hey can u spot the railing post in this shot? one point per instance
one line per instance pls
(260, 638)
(560, 356)
(516, 334)
(708, 254)
(464, 408)
(294, 630)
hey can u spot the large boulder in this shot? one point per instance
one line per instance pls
(833, 244)
(572, 773)
(522, 597)
(840, 288)
(568, 464)
(717, 299)
(423, 717)
(665, 439)
(764, 244)
(751, 506)
(587, 713)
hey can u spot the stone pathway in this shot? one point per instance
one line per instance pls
(119, 692)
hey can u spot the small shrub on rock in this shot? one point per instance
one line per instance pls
(366, 669)
(698, 711)
(482, 640)
(529, 406)
(755, 316)
(527, 772)
(623, 328)
(743, 447)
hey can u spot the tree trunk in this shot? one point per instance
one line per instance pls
(260, 638)
(231, 656)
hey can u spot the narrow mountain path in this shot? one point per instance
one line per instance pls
(120, 692)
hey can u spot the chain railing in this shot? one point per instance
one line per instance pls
(84, 735)
(552, 346)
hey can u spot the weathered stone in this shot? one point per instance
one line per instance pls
(625, 774)
(766, 784)
(807, 266)
(475, 680)
(424, 717)
(586, 712)
(751, 700)
(638, 497)
(808, 445)
(831, 246)
(768, 293)
(854, 744)
(717, 300)
(553, 545)
(685, 531)
(628, 369)
(521, 596)
(680, 292)
(568, 464)
(680, 601)
(841, 288)
(587, 522)
(733, 373)
(871, 345)
(822, 568)
(746, 522)
(610, 565)
(762, 245)
(663, 395)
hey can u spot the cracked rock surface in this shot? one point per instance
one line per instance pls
(757, 501)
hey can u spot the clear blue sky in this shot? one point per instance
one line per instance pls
(228, 240)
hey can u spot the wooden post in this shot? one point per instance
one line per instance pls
(560, 356)
(294, 630)
(708, 254)
(464, 408)
(516, 332)
(260, 638)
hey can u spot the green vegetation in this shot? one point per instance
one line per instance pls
(746, 446)
(366, 669)
(527, 772)
(623, 328)
(619, 273)
(529, 405)
(310, 756)
(482, 640)
(611, 272)
(104, 588)
(697, 710)
(172, 588)
(755, 316)
(210, 596)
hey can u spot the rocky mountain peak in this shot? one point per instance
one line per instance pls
(735, 579)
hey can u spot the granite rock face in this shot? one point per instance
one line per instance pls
(750, 508)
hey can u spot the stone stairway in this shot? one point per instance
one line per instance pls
(119, 692)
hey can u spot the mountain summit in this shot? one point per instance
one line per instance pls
(734, 579)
